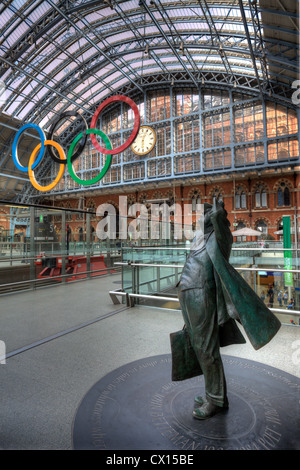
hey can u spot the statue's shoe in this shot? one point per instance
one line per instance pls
(200, 400)
(208, 410)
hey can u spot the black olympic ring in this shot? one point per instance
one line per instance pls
(81, 143)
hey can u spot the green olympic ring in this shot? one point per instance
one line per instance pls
(71, 156)
(107, 161)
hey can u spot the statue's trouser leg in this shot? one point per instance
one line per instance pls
(200, 317)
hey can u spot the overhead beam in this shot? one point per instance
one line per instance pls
(170, 25)
(215, 35)
(138, 36)
(53, 90)
(250, 45)
(15, 177)
(173, 49)
(259, 51)
(92, 43)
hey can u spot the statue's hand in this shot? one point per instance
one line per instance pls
(218, 206)
(219, 214)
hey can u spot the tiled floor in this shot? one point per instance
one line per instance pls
(61, 340)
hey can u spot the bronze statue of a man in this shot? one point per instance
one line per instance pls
(212, 296)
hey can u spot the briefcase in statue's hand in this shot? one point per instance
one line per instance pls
(184, 361)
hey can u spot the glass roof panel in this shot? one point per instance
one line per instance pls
(10, 109)
(5, 18)
(199, 26)
(37, 13)
(122, 34)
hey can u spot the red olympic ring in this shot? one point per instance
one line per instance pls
(133, 133)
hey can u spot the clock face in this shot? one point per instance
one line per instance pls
(144, 141)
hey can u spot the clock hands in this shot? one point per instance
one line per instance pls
(144, 141)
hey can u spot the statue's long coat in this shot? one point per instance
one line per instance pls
(236, 300)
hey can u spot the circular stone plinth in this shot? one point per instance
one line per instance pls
(138, 407)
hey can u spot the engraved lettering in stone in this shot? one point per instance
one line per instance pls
(272, 416)
(157, 401)
(266, 434)
(286, 380)
(269, 438)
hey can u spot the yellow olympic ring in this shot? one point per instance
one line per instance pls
(62, 156)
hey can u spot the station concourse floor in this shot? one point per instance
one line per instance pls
(61, 340)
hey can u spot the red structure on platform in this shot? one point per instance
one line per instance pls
(76, 267)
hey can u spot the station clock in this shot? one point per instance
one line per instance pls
(144, 141)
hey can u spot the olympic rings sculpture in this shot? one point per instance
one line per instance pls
(63, 160)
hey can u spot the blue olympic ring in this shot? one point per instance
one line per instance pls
(108, 151)
(15, 147)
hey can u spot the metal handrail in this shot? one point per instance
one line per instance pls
(181, 266)
(56, 277)
(151, 265)
(39, 258)
(189, 248)
(174, 299)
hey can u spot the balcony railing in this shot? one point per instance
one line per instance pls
(150, 275)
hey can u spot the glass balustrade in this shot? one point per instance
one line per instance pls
(150, 274)
(44, 245)
(40, 246)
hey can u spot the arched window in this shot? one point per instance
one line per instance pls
(283, 195)
(261, 197)
(171, 200)
(196, 201)
(217, 194)
(2, 232)
(130, 201)
(279, 230)
(240, 199)
(241, 238)
(69, 214)
(262, 227)
(79, 215)
(91, 207)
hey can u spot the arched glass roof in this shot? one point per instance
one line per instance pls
(59, 55)
(66, 54)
